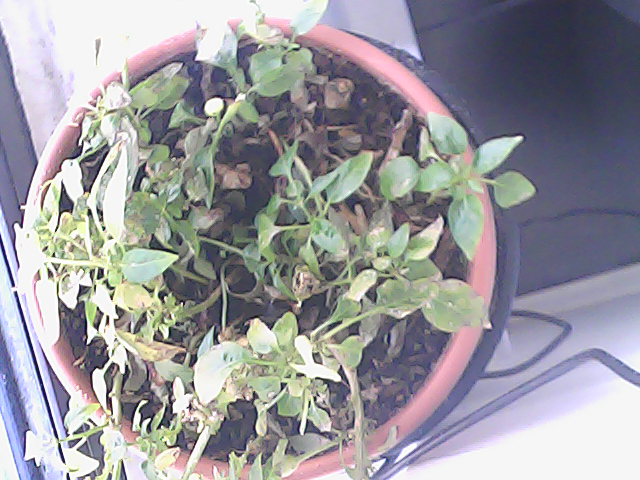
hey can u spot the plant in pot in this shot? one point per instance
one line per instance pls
(259, 255)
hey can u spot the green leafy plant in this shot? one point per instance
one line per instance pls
(140, 231)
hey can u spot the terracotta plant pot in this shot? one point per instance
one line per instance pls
(459, 350)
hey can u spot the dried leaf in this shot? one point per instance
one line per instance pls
(337, 93)
(151, 351)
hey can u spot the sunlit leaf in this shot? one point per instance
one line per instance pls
(151, 351)
(72, 179)
(261, 338)
(266, 231)
(398, 177)
(132, 296)
(99, 386)
(316, 370)
(466, 221)
(212, 369)
(447, 135)
(512, 188)
(139, 265)
(115, 194)
(102, 298)
(152, 90)
(380, 227)
(218, 46)
(167, 458)
(492, 153)
(78, 463)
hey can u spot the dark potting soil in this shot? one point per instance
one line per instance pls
(399, 359)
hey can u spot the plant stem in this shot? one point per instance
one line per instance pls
(80, 435)
(117, 470)
(116, 391)
(197, 452)
(222, 245)
(225, 296)
(202, 306)
(76, 263)
(187, 274)
(361, 457)
(346, 323)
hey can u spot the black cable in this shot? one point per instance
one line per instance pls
(615, 365)
(521, 367)
(576, 212)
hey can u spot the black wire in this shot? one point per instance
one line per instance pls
(575, 212)
(521, 367)
(615, 365)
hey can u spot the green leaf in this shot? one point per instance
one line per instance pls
(204, 160)
(115, 194)
(282, 167)
(266, 231)
(455, 305)
(492, 153)
(71, 174)
(308, 254)
(207, 342)
(301, 60)
(425, 148)
(173, 93)
(436, 176)
(327, 236)
(263, 62)
(322, 182)
(261, 338)
(447, 135)
(422, 244)
(170, 370)
(307, 443)
(512, 188)
(255, 472)
(369, 326)
(266, 387)
(78, 415)
(139, 265)
(415, 270)
(51, 203)
(361, 284)
(351, 350)
(382, 264)
(289, 406)
(345, 308)
(398, 242)
(286, 330)
(398, 177)
(212, 369)
(183, 114)
(319, 417)
(159, 153)
(132, 297)
(155, 87)
(148, 350)
(380, 227)
(205, 268)
(309, 16)
(248, 112)
(466, 221)
(47, 295)
(78, 463)
(167, 458)
(278, 81)
(398, 298)
(350, 176)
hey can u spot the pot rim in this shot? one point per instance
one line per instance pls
(459, 350)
